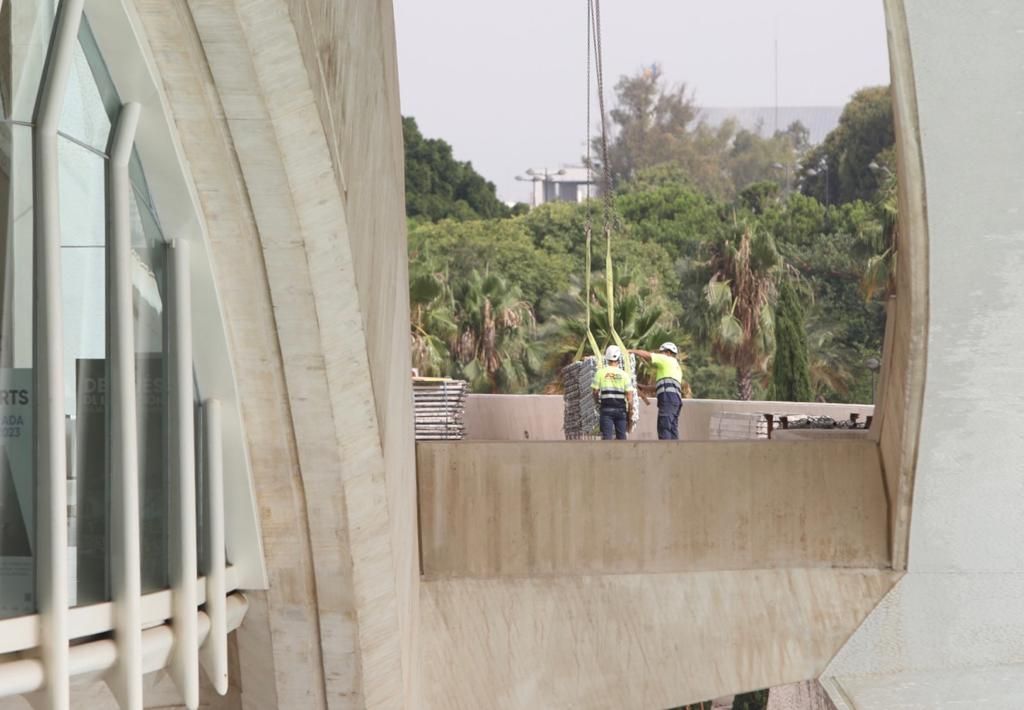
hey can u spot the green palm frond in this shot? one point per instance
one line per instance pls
(730, 331)
(719, 295)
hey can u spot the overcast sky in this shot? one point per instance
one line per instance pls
(505, 82)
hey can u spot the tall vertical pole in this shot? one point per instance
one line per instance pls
(215, 650)
(776, 75)
(183, 551)
(122, 443)
(51, 548)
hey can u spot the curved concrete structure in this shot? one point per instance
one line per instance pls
(568, 574)
(287, 113)
(949, 634)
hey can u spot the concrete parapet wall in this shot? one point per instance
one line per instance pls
(538, 417)
(547, 508)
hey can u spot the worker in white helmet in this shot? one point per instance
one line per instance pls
(668, 376)
(613, 393)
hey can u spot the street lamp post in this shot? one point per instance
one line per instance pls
(533, 190)
(873, 364)
(542, 176)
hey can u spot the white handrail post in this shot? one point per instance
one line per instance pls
(122, 444)
(215, 650)
(51, 550)
(183, 563)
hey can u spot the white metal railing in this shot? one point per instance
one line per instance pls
(123, 466)
(48, 363)
(138, 633)
(215, 651)
(182, 529)
(28, 675)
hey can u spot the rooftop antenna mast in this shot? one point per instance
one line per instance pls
(776, 74)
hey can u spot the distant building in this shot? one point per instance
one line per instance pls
(568, 184)
(819, 120)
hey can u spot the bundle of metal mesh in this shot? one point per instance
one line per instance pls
(439, 405)
(581, 419)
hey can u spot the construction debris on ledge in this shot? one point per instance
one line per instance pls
(439, 406)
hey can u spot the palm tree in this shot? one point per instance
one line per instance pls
(432, 324)
(880, 271)
(831, 364)
(493, 348)
(639, 323)
(739, 297)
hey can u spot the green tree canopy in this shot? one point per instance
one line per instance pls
(740, 298)
(655, 124)
(865, 134)
(702, 224)
(504, 247)
(439, 187)
(791, 376)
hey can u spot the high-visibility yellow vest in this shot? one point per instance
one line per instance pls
(612, 384)
(668, 374)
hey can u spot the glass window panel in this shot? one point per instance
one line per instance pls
(148, 279)
(103, 83)
(138, 179)
(17, 480)
(84, 115)
(83, 291)
(98, 102)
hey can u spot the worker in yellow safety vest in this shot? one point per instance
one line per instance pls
(613, 392)
(668, 375)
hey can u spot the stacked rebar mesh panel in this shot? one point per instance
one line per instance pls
(439, 405)
(580, 419)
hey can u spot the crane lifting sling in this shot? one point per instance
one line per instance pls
(595, 51)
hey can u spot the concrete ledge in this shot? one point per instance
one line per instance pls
(634, 641)
(567, 508)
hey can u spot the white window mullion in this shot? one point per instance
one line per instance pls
(125, 563)
(184, 664)
(51, 556)
(215, 650)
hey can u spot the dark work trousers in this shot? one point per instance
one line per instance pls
(669, 404)
(613, 422)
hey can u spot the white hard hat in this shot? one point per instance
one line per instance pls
(671, 347)
(613, 354)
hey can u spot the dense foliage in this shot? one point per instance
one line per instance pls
(706, 225)
(657, 125)
(437, 186)
(791, 373)
(839, 170)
